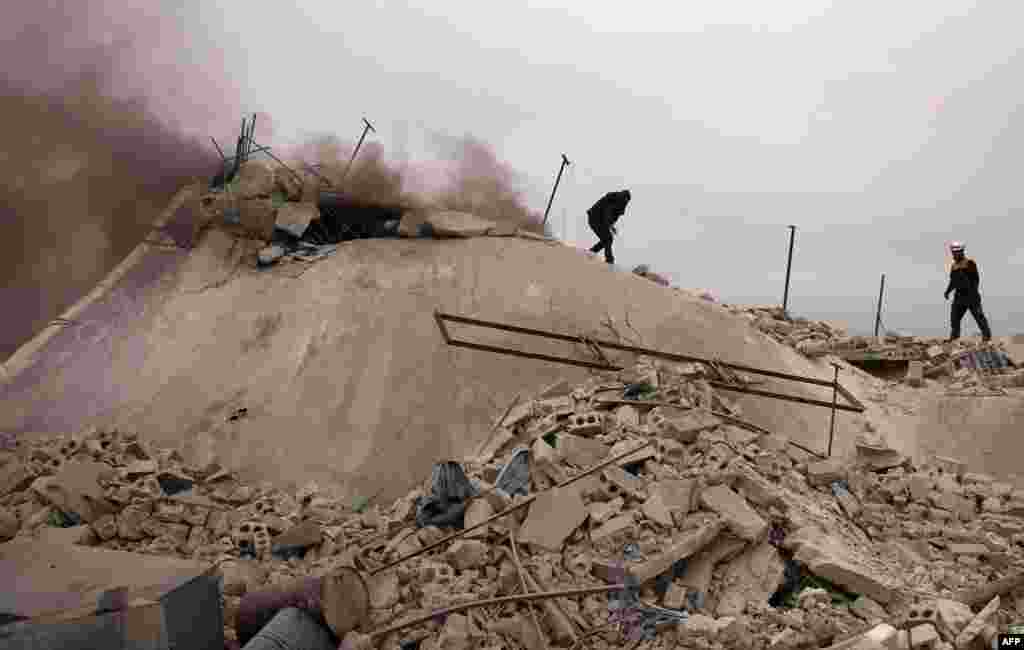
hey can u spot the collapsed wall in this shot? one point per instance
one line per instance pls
(337, 365)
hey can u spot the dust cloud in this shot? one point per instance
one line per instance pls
(91, 148)
(104, 119)
(473, 178)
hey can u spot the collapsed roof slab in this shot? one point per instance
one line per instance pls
(345, 376)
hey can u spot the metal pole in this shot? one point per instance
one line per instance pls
(248, 140)
(789, 266)
(878, 313)
(561, 168)
(832, 425)
(367, 128)
(219, 150)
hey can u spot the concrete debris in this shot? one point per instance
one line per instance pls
(741, 519)
(458, 224)
(553, 516)
(708, 519)
(294, 218)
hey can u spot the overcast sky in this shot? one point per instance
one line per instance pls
(881, 131)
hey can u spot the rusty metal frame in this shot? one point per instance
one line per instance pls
(853, 405)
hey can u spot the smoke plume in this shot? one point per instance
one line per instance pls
(92, 147)
(468, 176)
(106, 108)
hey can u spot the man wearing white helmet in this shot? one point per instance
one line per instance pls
(964, 281)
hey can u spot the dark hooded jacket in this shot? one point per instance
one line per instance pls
(964, 279)
(609, 207)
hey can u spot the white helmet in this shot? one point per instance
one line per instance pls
(956, 247)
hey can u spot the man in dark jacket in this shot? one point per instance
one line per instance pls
(964, 280)
(602, 217)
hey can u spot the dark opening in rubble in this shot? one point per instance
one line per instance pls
(887, 369)
(797, 578)
(343, 218)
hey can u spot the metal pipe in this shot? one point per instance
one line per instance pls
(878, 312)
(855, 406)
(219, 150)
(252, 133)
(789, 266)
(558, 179)
(366, 129)
(789, 398)
(835, 393)
(628, 348)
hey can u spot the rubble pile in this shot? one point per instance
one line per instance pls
(723, 535)
(963, 364)
(298, 217)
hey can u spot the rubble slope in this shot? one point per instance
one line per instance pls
(339, 364)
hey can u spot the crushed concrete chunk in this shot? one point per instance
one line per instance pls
(977, 624)
(953, 617)
(619, 480)
(468, 554)
(826, 472)
(735, 511)
(754, 575)
(580, 451)
(654, 508)
(76, 489)
(689, 544)
(601, 512)
(827, 557)
(553, 516)
(450, 223)
(676, 494)
(700, 567)
(613, 527)
(477, 511)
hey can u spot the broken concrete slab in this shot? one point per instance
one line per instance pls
(735, 512)
(915, 374)
(602, 511)
(303, 536)
(82, 535)
(254, 179)
(681, 425)
(75, 489)
(580, 451)
(655, 509)
(685, 546)
(9, 524)
(952, 617)
(973, 629)
(450, 223)
(676, 494)
(627, 416)
(468, 554)
(827, 557)
(619, 481)
(553, 516)
(294, 218)
(15, 476)
(477, 511)
(257, 218)
(826, 472)
(613, 527)
(700, 567)
(640, 456)
(753, 576)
